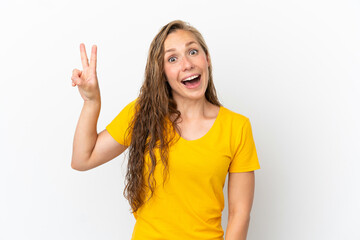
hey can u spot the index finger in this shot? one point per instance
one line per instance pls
(84, 58)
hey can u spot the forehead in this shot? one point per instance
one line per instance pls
(179, 39)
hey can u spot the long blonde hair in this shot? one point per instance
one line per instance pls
(154, 106)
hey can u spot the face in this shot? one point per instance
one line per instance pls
(186, 66)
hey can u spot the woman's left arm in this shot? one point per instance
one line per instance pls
(240, 195)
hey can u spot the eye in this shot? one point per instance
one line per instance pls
(193, 52)
(171, 59)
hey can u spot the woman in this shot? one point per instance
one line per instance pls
(182, 143)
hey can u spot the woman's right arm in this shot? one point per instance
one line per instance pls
(91, 149)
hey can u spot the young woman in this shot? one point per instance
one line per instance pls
(182, 143)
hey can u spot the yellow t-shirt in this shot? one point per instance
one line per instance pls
(190, 204)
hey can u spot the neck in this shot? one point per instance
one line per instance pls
(193, 109)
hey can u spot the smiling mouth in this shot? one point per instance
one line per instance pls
(191, 82)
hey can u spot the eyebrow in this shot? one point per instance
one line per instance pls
(187, 44)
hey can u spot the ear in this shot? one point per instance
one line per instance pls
(208, 59)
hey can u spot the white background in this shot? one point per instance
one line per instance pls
(292, 67)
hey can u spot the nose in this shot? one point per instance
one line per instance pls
(187, 64)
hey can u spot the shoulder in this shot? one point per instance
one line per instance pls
(230, 116)
(125, 114)
(129, 108)
(131, 105)
(233, 124)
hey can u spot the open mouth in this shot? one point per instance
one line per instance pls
(191, 81)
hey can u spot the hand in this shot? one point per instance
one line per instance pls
(86, 80)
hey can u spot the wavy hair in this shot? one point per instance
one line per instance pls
(151, 128)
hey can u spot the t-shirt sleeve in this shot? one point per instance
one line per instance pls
(119, 128)
(244, 157)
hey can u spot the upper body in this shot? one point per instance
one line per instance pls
(179, 127)
(189, 204)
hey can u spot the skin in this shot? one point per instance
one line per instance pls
(86, 80)
(240, 199)
(184, 57)
(91, 149)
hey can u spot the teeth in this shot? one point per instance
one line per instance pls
(191, 78)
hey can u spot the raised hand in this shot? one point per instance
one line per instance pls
(86, 80)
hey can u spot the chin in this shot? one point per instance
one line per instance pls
(198, 96)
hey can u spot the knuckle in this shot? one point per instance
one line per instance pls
(75, 71)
